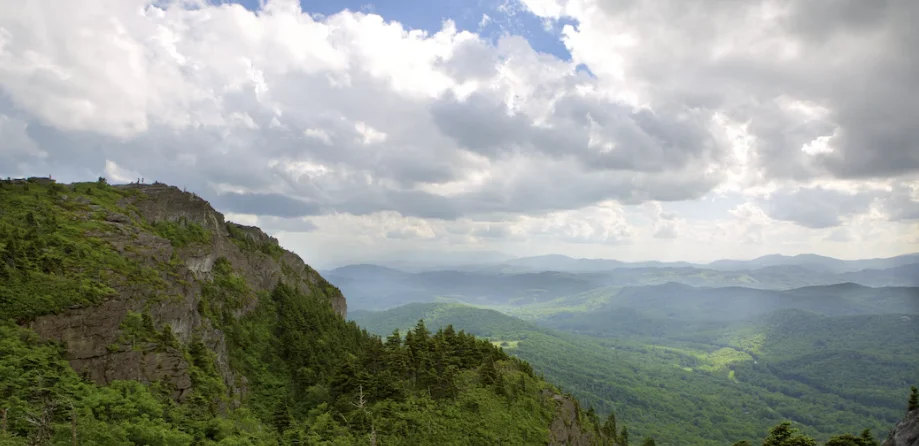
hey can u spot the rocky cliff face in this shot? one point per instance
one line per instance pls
(102, 341)
(907, 431)
(566, 429)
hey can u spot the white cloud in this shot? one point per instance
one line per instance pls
(323, 127)
(319, 134)
(16, 139)
(119, 174)
(243, 219)
(485, 21)
(369, 134)
(665, 225)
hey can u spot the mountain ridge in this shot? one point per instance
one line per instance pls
(386, 287)
(564, 263)
(135, 314)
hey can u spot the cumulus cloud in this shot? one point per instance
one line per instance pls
(902, 203)
(775, 65)
(817, 207)
(666, 225)
(303, 122)
(245, 96)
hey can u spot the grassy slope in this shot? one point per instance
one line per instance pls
(683, 392)
(53, 255)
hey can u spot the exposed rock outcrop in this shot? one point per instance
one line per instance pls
(566, 427)
(170, 293)
(907, 431)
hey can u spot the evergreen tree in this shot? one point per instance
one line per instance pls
(591, 412)
(421, 331)
(488, 373)
(281, 417)
(913, 399)
(609, 427)
(394, 341)
(649, 442)
(851, 440)
(868, 439)
(609, 431)
(785, 435)
(624, 437)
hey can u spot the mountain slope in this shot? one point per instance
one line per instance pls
(704, 393)
(675, 301)
(135, 314)
(374, 287)
(903, 275)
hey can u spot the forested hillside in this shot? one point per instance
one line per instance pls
(686, 382)
(135, 315)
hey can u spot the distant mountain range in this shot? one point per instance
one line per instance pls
(632, 309)
(557, 262)
(539, 279)
(816, 263)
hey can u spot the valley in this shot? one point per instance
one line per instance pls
(688, 364)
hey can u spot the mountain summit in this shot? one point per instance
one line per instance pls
(135, 314)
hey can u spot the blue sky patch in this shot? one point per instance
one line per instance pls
(503, 17)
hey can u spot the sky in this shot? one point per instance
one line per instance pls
(362, 131)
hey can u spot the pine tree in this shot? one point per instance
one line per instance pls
(281, 417)
(610, 430)
(421, 331)
(785, 435)
(624, 437)
(394, 340)
(591, 412)
(649, 442)
(488, 373)
(852, 440)
(868, 439)
(913, 399)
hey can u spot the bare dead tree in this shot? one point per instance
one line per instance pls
(361, 405)
(360, 398)
(43, 424)
(73, 425)
(345, 420)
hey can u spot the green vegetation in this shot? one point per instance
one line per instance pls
(248, 243)
(46, 402)
(682, 392)
(316, 376)
(277, 365)
(784, 434)
(298, 373)
(913, 399)
(51, 254)
(182, 232)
